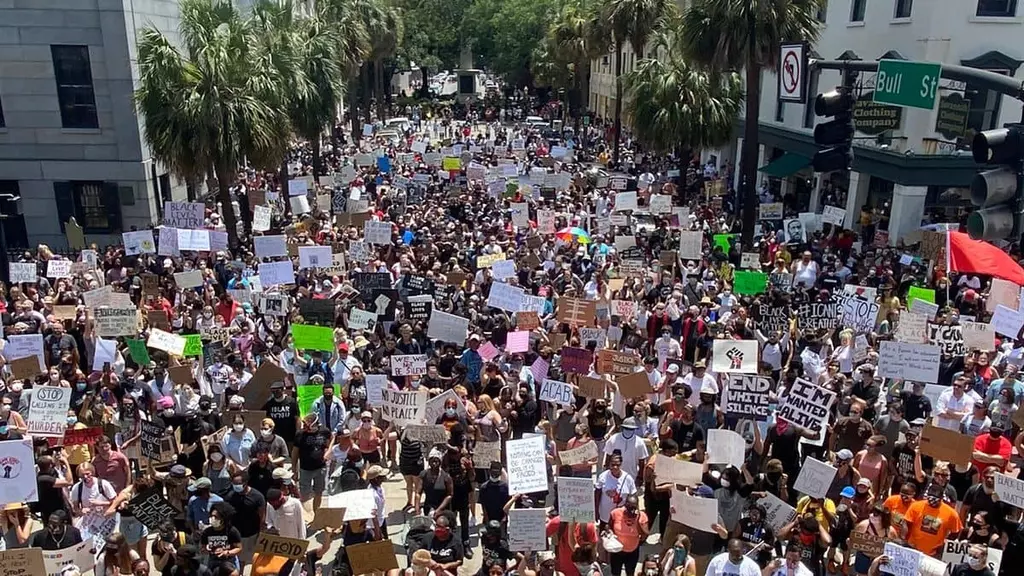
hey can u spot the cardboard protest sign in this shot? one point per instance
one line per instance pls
(403, 407)
(22, 562)
(291, 548)
(634, 385)
(613, 362)
(867, 543)
(806, 405)
(590, 387)
(257, 391)
(747, 396)
(948, 445)
(576, 312)
(578, 455)
(25, 368)
(486, 452)
(677, 471)
(698, 513)
(815, 478)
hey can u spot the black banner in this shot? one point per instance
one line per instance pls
(152, 440)
(418, 310)
(816, 315)
(383, 303)
(367, 282)
(317, 311)
(418, 285)
(949, 338)
(151, 508)
(771, 318)
(747, 396)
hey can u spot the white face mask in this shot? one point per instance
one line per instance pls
(267, 433)
(725, 483)
(168, 412)
(976, 563)
(216, 457)
(238, 427)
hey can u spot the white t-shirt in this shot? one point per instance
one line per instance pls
(696, 384)
(633, 451)
(624, 485)
(798, 570)
(721, 566)
(949, 402)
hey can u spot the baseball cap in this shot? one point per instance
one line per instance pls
(165, 402)
(848, 492)
(844, 454)
(281, 474)
(203, 483)
(864, 482)
(673, 368)
(704, 491)
(277, 386)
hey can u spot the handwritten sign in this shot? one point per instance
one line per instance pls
(48, 412)
(403, 407)
(526, 462)
(677, 471)
(806, 405)
(815, 478)
(409, 364)
(274, 545)
(902, 561)
(1010, 490)
(747, 396)
(576, 499)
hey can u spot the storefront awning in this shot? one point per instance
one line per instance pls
(785, 165)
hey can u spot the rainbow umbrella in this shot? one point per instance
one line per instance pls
(571, 233)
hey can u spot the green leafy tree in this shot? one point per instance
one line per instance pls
(214, 103)
(745, 34)
(572, 42)
(673, 105)
(632, 21)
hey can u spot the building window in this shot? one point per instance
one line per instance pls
(96, 206)
(998, 8)
(857, 10)
(73, 73)
(822, 12)
(15, 233)
(903, 8)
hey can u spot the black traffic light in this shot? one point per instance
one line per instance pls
(835, 137)
(998, 192)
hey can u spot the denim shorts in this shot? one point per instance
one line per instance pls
(312, 481)
(133, 530)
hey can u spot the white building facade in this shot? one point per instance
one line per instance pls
(70, 139)
(907, 162)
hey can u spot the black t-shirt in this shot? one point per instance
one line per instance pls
(785, 447)
(915, 407)
(43, 539)
(903, 461)
(493, 497)
(981, 501)
(311, 447)
(494, 553)
(283, 412)
(261, 477)
(598, 423)
(51, 498)
(444, 552)
(1013, 553)
(214, 538)
(247, 510)
(686, 435)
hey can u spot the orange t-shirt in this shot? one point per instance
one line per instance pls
(266, 565)
(627, 529)
(930, 527)
(897, 507)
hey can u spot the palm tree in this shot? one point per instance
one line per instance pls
(384, 45)
(633, 21)
(735, 34)
(215, 103)
(344, 15)
(572, 38)
(673, 105)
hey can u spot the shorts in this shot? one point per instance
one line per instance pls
(312, 482)
(133, 530)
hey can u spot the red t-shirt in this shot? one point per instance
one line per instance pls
(227, 311)
(996, 447)
(584, 533)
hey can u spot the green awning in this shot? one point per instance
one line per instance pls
(785, 165)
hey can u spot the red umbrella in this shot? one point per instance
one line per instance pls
(977, 257)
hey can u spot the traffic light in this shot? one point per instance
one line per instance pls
(835, 137)
(998, 192)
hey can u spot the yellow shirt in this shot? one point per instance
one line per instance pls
(804, 505)
(78, 453)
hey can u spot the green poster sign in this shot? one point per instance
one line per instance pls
(723, 241)
(138, 351)
(307, 394)
(746, 282)
(313, 337)
(917, 293)
(193, 345)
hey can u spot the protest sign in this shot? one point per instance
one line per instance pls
(919, 362)
(1003, 292)
(317, 311)
(747, 396)
(912, 328)
(190, 279)
(806, 405)
(526, 463)
(291, 548)
(375, 232)
(578, 455)
(612, 362)
(261, 218)
(576, 360)
(184, 214)
(78, 436)
(276, 273)
(81, 555)
(170, 343)
(505, 297)
(735, 356)
(358, 504)
(726, 447)
(142, 242)
(691, 245)
(948, 445)
(24, 346)
(576, 312)
(486, 452)
(813, 316)
(48, 412)
(977, 335)
(315, 256)
(858, 315)
(916, 292)
(527, 529)
(677, 471)
(777, 512)
(18, 481)
(770, 319)
(749, 282)
(557, 393)
(949, 338)
(403, 407)
(902, 561)
(634, 384)
(435, 406)
(750, 260)
(1007, 322)
(24, 562)
(1010, 490)
(137, 350)
(833, 215)
(770, 211)
(371, 557)
(815, 478)
(23, 272)
(697, 513)
(527, 320)
(867, 543)
(111, 322)
(956, 552)
(155, 444)
(359, 319)
(427, 434)
(58, 268)
(308, 337)
(589, 387)
(25, 368)
(151, 508)
(576, 499)
(408, 365)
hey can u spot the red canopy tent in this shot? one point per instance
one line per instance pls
(976, 257)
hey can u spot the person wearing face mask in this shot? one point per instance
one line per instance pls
(733, 562)
(197, 515)
(283, 410)
(275, 444)
(930, 522)
(238, 442)
(218, 469)
(308, 457)
(629, 525)
(221, 540)
(707, 414)
(285, 513)
(976, 563)
(790, 564)
(446, 551)
(851, 432)
(208, 414)
(250, 512)
(992, 449)
(631, 447)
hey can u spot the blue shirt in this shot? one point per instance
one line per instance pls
(474, 365)
(199, 509)
(332, 417)
(237, 446)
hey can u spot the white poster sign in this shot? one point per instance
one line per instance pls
(902, 561)
(725, 447)
(918, 362)
(527, 465)
(625, 201)
(59, 268)
(170, 343)
(24, 345)
(138, 242)
(520, 214)
(194, 240)
(1010, 490)
(735, 356)
(190, 279)
(978, 335)
(557, 393)
(527, 529)
(506, 297)
(275, 246)
(956, 552)
(691, 245)
(261, 218)
(815, 478)
(833, 215)
(315, 257)
(276, 273)
(23, 272)
(447, 327)
(697, 513)
(403, 407)
(408, 365)
(1006, 321)
(576, 499)
(806, 405)
(184, 214)
(375, 232)
(677, 471)
(18, 481)
(48, 412)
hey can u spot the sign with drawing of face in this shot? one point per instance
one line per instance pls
(795, 233)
